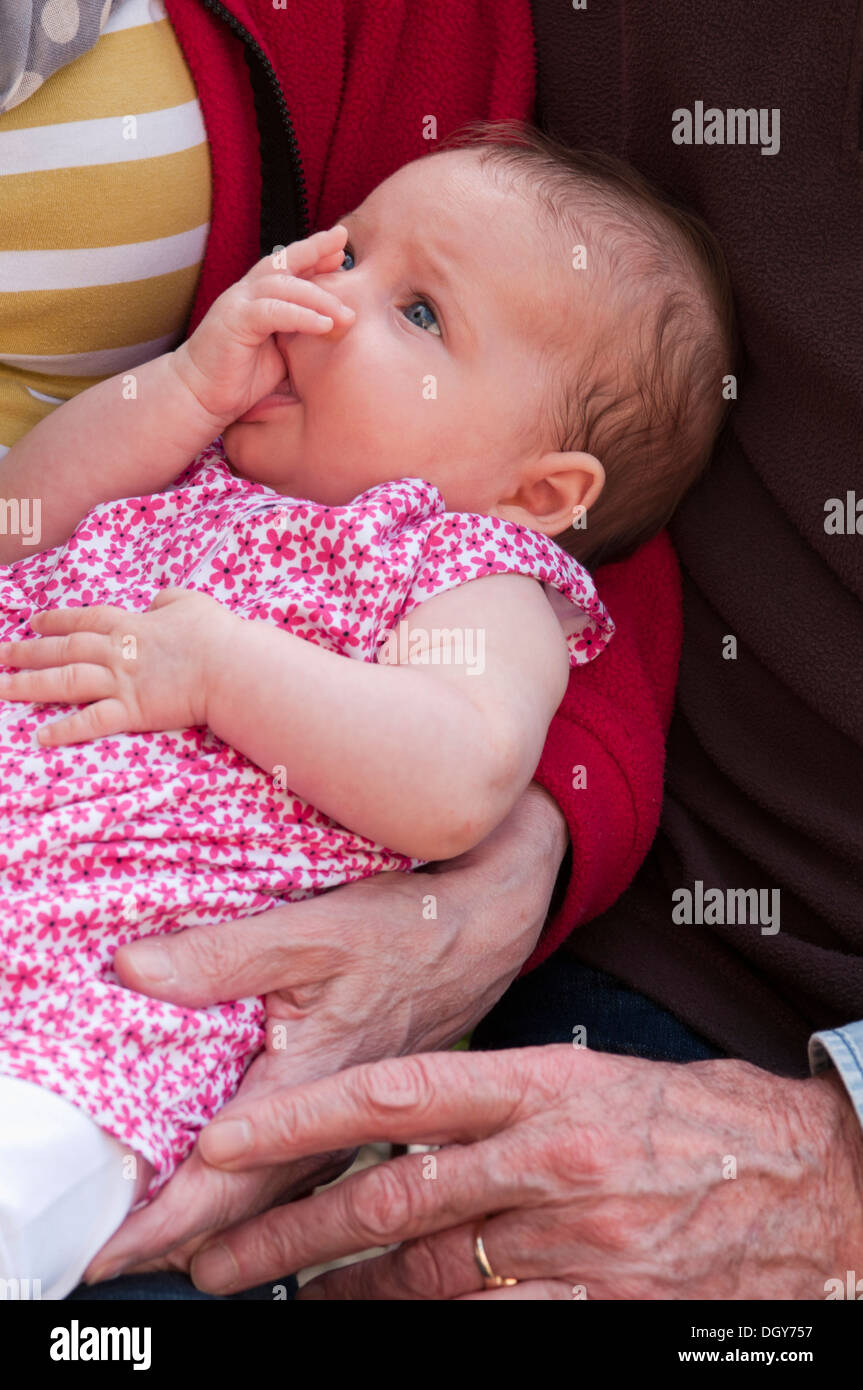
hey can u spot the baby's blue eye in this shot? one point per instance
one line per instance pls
(421, 323)
(414, 304)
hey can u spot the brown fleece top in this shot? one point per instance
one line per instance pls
(764, 780)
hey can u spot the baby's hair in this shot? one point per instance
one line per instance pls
(650, 415)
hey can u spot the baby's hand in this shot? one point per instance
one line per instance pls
(232, 359)
(141, 671)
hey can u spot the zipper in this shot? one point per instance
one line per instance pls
(265, 83)
(270, 233)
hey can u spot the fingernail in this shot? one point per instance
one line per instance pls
(152, 962)
(214, 1269)
(347, 312)
(314, 1289)
(225, 1139)
(103, 1272)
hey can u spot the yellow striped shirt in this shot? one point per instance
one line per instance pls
(105, 203)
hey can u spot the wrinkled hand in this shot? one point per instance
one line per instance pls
(135, 672)
(608, 1177)
(359, 973)
(232, 359)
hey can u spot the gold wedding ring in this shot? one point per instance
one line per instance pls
(490, 1280)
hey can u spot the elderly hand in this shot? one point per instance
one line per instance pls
(605, 1177)
(362, 972)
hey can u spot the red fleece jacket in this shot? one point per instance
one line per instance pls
(307, 109)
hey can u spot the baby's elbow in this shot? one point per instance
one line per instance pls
(452, 837)
(473, 811)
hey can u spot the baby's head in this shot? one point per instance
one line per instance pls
(538, 332)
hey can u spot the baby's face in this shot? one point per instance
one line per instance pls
(439, 375)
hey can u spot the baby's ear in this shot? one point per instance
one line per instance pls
(554, 492)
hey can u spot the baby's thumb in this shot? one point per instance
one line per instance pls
(166, 596)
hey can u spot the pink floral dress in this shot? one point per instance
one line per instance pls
(137, 834)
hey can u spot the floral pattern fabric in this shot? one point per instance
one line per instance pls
(140, 834)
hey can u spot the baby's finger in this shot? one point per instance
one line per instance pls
(100, 617)
(328, 263)
(302, 255)
(56, 651)
(291, 290)
(267, 316)
(96, 721)
(62, 685)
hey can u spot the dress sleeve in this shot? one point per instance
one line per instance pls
(459, 547)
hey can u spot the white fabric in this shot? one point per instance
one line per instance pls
(21, 271)
(63, 1188)
(99, 140)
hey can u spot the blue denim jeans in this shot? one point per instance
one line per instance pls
(543, 1007)
(170, 1286)
(564, 993)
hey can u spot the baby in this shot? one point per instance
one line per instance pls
(504, 344)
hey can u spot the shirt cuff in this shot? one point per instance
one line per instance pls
(844, 1048)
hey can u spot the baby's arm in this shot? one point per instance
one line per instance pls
(426, 759)
(102, 444)
(135, 432)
